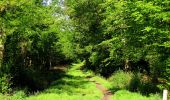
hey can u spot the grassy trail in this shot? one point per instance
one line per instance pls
(79, 85)
(73, 86)
(107, 93)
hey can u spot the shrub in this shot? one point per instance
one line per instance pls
(121, 79)
(147, 88)
(5, 84)
(135, 82)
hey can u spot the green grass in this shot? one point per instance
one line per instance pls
(72, 86)
(120, 80)
(126, 95)
(19, 95)
(102, 81)
(2, 97)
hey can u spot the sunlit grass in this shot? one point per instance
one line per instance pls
(126, 95)
(73, 86)
(19, 95)
(63, 96)
(2, 97)
(121, 94)
(102, 81)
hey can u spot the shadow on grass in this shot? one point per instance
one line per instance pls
(68, 84)
(39, 80)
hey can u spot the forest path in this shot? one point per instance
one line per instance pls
(72, 85)
(107, 93)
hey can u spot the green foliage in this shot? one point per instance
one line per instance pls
(135, 82)
(109, 35)
(121, 79)
(5, 85)
(118, 31)
(30, 39)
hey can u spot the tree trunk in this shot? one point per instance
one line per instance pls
(127, 65)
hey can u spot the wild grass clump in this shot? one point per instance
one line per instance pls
(120, 80)
(18, 95)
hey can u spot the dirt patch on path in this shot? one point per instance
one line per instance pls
(107, 93)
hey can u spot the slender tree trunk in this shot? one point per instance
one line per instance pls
(127, 65)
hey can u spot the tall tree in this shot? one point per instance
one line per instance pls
(121, 33)
(30, 38)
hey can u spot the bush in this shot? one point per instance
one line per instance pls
(120, 80)
(143, 84)
(133, 82)
(147, 88)
(5, 84)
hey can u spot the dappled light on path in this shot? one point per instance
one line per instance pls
(72, 86)
(107, 94)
